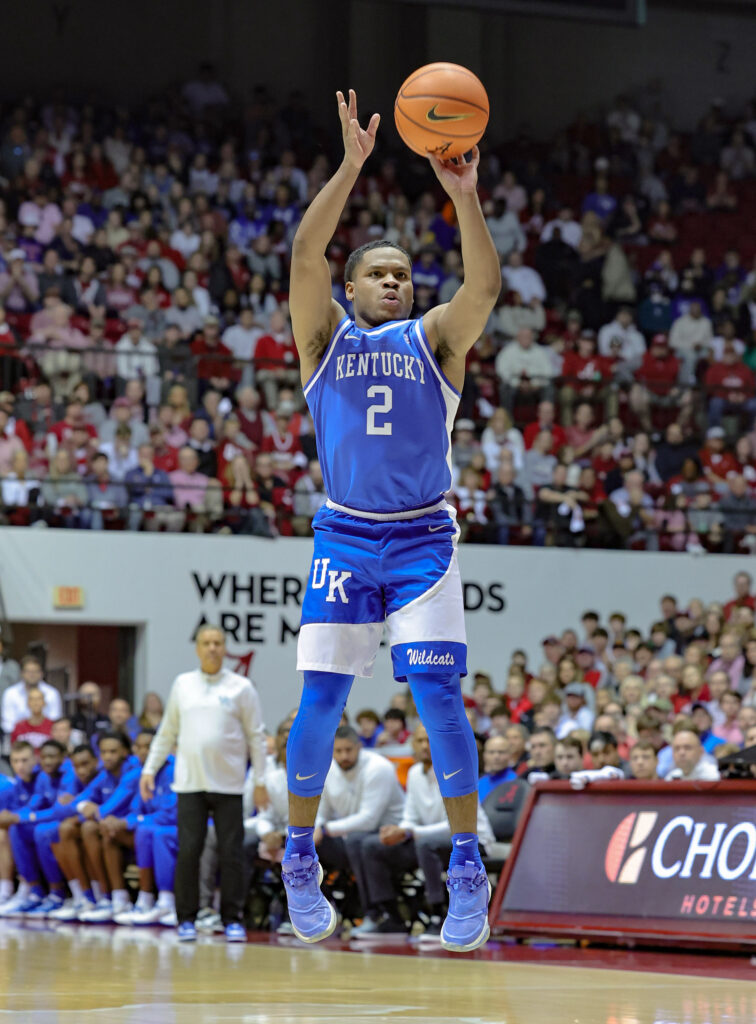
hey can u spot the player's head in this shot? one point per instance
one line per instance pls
(115, 747)
(22, 759)
(378, 282)
(142, 744)
(51, 756)
(84, 762)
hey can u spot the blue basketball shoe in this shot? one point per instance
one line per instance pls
(312, 916)
(466, 925)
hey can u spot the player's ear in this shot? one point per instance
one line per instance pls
(349, 290)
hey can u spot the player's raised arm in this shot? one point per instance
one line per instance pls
(454, 328)
(314, 313)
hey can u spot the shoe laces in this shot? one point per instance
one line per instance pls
(469, 877)
(299, 871)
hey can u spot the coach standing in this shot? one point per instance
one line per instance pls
(213, 718)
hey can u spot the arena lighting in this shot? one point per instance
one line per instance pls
(625, 12)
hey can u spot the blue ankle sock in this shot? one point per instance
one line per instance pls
(465, 847)
(299, 840)
(37, 890)
(89, 895)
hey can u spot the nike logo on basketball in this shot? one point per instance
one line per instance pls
(451, 776)
(434, 529)
(304, 778)
(461, 842)
(432, 115)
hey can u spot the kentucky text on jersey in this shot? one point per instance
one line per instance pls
(383, 414)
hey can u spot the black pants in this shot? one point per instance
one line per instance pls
(193, 811)
(344, 853)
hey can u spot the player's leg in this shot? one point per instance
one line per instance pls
(44, 836)
(108, 902)
(67, 852)
(30, 892)
(114, 847)
(7, 867)
(165, 852)
(425, 620)
(342, 624)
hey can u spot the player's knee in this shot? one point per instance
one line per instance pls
(90, 830)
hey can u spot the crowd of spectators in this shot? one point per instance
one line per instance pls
(150, 377)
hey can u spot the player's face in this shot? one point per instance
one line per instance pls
(112, 755)
(50, 759)
(85, 767)
(22, 763)
(382, 287)
(142, 746)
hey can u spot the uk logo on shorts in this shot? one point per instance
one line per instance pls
(335, 579)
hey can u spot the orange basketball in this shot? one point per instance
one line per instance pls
(442, 109)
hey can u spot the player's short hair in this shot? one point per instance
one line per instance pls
(355, 257)
(83, 748)
(346, 732)
(20, 745)
(118, 736)
(54, 743)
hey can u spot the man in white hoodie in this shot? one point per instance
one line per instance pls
(361, 794)
(421, 839)
(214, 719)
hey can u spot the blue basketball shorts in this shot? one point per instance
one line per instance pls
(369, 573)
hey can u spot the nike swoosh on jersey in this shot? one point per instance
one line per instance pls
(433, 116)
(304, 778)
(451, 774)
(461, 842)
(435, 529)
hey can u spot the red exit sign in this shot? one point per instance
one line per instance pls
(68, 597)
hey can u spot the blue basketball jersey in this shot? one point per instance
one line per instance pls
(383, 414)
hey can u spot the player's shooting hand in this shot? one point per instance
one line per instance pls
(459, 176)
(358, 142)
(146, 786)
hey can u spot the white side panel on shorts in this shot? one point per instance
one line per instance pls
(343, 647)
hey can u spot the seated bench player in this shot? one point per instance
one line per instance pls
(25, 770)
(22, 825)
(137, 830)
(110, 792)
(7, 868)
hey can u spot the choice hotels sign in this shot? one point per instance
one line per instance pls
(638, 852)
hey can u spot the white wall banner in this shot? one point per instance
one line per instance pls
(166, 585)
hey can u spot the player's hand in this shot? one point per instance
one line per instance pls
(261, 798)
(459, 176)
(89, 810)
(146, 786)
(64, 799)
(358, 142)
(111, 825)
(8, 818)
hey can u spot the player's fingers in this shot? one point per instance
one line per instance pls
(352, 103)
(475, 156)
(372, 128)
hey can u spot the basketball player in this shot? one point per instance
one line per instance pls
(383, 390)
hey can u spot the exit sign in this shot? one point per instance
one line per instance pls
(68, 597)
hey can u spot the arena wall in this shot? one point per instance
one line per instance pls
(164, 585)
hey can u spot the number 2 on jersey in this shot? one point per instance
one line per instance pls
(379, 408)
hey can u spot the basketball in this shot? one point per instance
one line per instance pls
(441, 109)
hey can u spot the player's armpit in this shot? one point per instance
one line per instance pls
(453, 328)
(314, 312)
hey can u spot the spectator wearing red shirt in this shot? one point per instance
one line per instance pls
(215, 362)
(62, 432)
(250, 417)
(743, 597)
(276, 360)
(656, 381)
(546, 421)
(15, 427)
(281, 442)
(165, 456)
(730, 385)
(585, 377)
(716, 462)
(275, 495)
(35, 729)
(582, 435)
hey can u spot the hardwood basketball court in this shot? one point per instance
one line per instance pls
(143, 976)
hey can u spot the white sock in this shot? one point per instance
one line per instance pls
(166, 899)
(145, 900)
(23, 890)
(97, 890)
(120, 897)
(6, 888)
(76, 890)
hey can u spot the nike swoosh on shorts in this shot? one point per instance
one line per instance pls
(433, 529)
(451, 774)
(461, 842)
